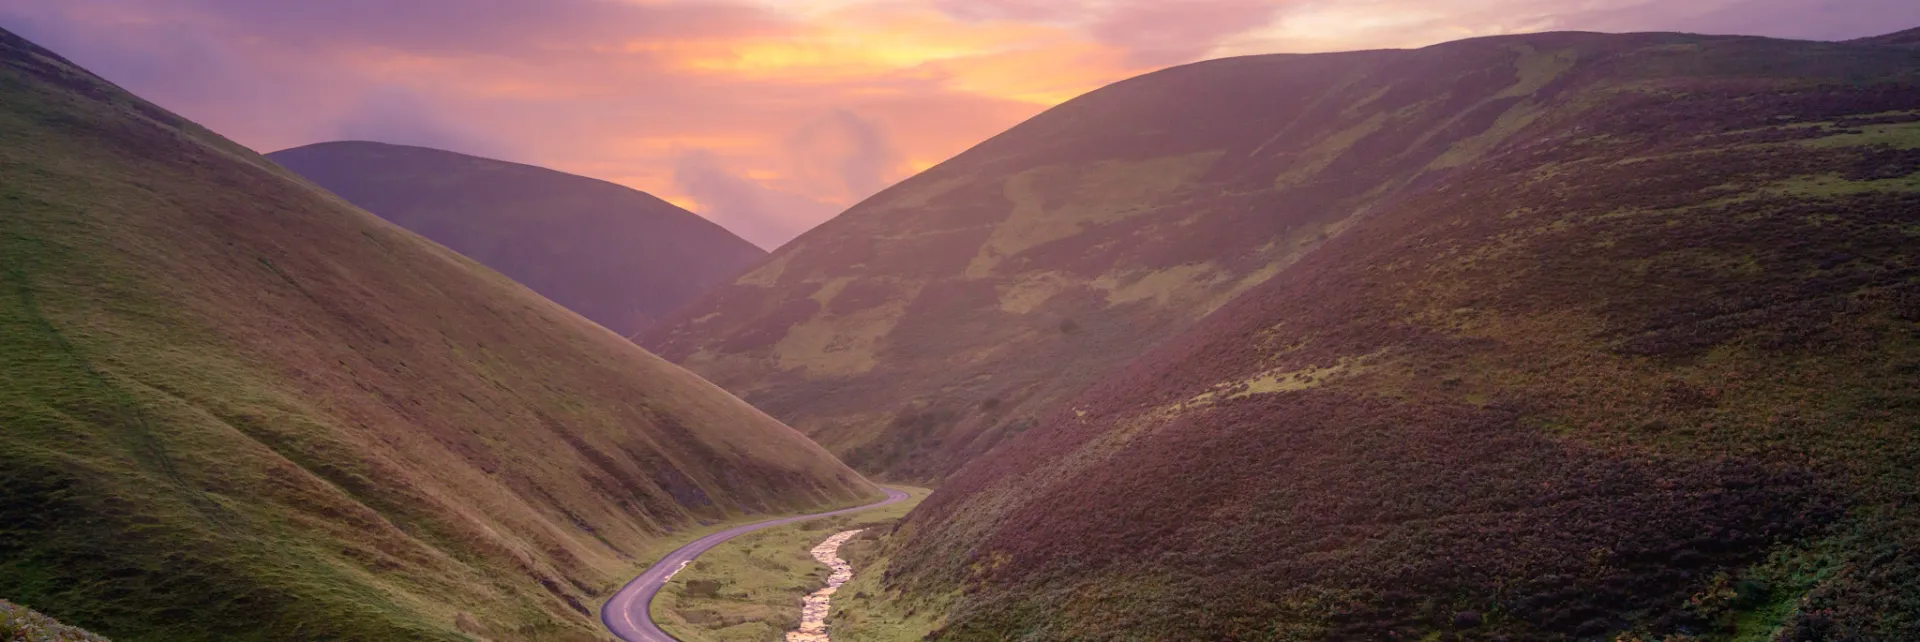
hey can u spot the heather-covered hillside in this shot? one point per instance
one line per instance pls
(946, 314)
(233, 407)
(1637, 359)
(620, 257)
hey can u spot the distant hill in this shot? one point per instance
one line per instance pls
(1635, 357)
(233, 407)
(618, 256)
(1908, 38)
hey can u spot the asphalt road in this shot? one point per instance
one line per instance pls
(627, 614)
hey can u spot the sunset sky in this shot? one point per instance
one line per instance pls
(767, 116)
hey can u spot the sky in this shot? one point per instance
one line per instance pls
(766, 116)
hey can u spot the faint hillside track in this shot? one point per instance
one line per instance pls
(136, 429)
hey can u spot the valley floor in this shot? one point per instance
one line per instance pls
(750, 588)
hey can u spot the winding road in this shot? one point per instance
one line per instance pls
(628, 613)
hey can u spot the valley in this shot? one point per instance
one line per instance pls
(751, 588)
(1554, 336)
(236, 408)
(1560, 336)
(627, 614)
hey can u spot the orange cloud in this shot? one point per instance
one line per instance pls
(1042, 64)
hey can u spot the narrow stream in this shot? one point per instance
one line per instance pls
(813, 609)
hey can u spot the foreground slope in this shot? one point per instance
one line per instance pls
(1649, 369)
(620, 257)
(234, 407)
(25, 625)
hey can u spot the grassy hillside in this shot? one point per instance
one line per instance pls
(615, 255)
(1641, 363)
(234, 407)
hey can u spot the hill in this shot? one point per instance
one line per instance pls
(620, 257)
(1638, 359)
(929, 323)
(234, 407)
(1908, 38)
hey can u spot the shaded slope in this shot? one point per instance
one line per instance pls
(620, 257)
(1648, 370)
(934, 320)
(234, 407)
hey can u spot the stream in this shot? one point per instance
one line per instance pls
(813, 609)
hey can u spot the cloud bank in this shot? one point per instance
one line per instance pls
(767, 116)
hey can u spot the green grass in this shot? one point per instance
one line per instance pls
(1831, 186)
(1058, 201)
(1893, 135)
(659, 548)
(749, 589)
(865, 610)
(1756, 603)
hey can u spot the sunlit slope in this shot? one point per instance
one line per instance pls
(1648, 370)
(952, 311)
(620, 257)
(234, 407)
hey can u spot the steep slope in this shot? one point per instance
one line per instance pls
(943, 315)
(615, 255)
(1646, 369)
(234, 407)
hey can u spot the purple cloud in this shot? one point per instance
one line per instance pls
(848, 149)
(1809, 19)
(762, 215)
(604, 88)
(498, 27)
(1162, 33)
(1152, 32)
(403, 117)
(1014, 10)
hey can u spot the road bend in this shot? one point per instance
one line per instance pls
(628, 614)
